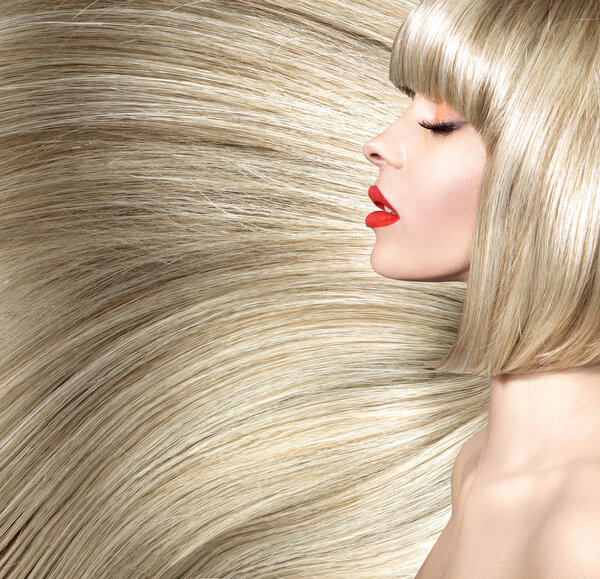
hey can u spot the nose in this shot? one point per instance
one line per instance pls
(385, 148)
(370, 151)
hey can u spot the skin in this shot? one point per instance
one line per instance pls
(432, 180)
(540, 422)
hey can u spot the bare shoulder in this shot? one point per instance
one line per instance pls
(437, 561)
(566, 544)
(465, 460)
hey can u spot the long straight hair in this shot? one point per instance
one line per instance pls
(200, 373)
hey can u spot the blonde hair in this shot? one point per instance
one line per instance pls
(527, 76)
(201, 374)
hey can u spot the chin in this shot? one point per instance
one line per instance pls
(388, 268)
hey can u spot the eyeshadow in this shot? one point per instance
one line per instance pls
(443, 111)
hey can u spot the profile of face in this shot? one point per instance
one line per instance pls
(430, 166)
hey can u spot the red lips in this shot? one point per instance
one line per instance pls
(377, 197)
(380, 218)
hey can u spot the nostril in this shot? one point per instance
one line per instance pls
(374, 158)
(369, 151)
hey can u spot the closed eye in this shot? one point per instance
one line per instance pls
(439, 128)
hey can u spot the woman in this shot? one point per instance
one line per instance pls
(494, 173)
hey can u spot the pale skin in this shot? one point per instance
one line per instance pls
(526, 488)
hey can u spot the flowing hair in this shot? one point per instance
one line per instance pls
(201, 375)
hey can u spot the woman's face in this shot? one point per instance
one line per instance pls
(431, 180)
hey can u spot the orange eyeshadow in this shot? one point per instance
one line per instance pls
(443, 111)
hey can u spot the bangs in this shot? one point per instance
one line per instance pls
(440, 52)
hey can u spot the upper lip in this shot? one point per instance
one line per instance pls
(377, 197)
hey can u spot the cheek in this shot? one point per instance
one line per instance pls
(448, 200)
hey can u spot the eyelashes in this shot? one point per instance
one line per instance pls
(439, 128)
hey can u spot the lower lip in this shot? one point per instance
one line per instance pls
(380, 219)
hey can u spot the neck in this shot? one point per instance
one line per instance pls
(542, 420)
